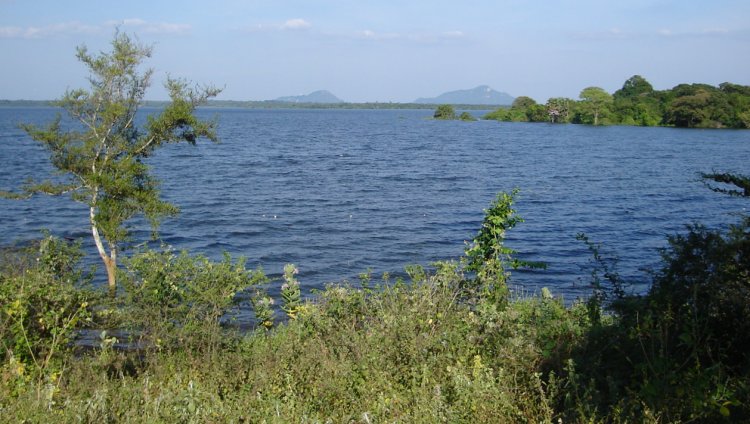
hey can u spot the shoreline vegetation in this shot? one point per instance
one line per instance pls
(635, 104)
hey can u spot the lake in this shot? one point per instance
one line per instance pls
(337, 192)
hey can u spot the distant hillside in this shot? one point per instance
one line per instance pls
(482, 95)
(320, 96)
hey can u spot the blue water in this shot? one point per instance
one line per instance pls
(340, 191)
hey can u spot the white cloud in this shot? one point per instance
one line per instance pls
(453, 34)
(10, 32)
(74, 28)
(711, 32)
(618, 34)
(415, 37)
(47, 31)
(134, 22)
(296, 24)
(146, 27)
(372, 35)
(665, 32)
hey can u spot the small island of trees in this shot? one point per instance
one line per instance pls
(447, 113)
(637, 103)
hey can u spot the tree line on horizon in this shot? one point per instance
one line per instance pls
(637, 103)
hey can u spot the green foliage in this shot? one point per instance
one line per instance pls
(704, 287)
(690, 110)
(636, 86)
(103, 159)
(263, 307)
(290, 292)
(595, 103)
(523, 102)
(739, 181)
(606, 285)
(488, 257)
(42, 304)
(680, 349)
(499, 114)
(537, 113)
(637, 103)
(466, 116)
(526, 109)
(407, 352)
(173, 300)
(445, 112)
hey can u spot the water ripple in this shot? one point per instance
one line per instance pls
(337, 192)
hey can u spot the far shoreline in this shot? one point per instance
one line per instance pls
(253, 104)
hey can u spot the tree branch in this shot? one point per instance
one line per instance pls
(740, 181)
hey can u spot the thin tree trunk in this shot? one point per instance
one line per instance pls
(110, 261)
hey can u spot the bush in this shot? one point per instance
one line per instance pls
(176, 300)
(467, 117)
(681, 349)
(42, 306)
(445, 112)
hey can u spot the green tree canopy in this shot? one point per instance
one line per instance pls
(466, 116)
(595, 102)
(103, 160)
(445, 112)
(633, 87)
(523, 102)
(690, 110)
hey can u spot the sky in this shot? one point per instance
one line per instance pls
(382, 50)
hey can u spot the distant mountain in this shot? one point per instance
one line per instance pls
(482, 95)
(320, 96)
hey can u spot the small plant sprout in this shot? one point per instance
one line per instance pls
(290, 292)
(263, 306)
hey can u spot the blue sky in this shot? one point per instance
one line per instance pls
(383, 50)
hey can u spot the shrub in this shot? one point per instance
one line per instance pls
(681, 350)
(176, 300)
(42, 305)
(445, 112)
(466, 116)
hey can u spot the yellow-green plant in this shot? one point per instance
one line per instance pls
(290, 292)
(179, 298)
(263, 307)
(41, 307)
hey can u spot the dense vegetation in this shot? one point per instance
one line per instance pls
(447, 112)
(449, 345)
(637, 103)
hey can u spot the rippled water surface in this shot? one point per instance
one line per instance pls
(340, 191)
